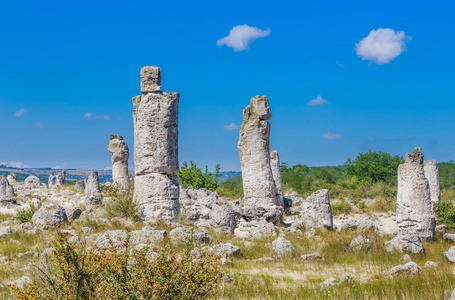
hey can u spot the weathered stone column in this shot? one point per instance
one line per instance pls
(276, 172)
(61, 178)
(415, 214)
(261, 201)
(6, 190)
(93, 190)
(432, 174)
(317, 211)
(155, 116)
(120, 155)
(12, 178)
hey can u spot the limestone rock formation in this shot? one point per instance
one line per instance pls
(32, 181)
(415, 213)
(282, 247)
(254, 229)
(93, 190)
(360, 243)
(61, 178)
(410, 268)
(80, 186)
(53, 215)
(276, 172)
(405, 243)
(6, 190)
(120, 155)
(316, 210)
(155, 116)
(261, 201)
(432, 174)
(12, 178)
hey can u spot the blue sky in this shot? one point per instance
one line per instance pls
(60, 60)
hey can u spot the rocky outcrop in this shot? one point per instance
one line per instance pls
(32, 181)
(450, 254)
(409, 268)
(208, 209)
(61, 178)
(93, 189)
(120, 155)
(405, 243)
(50, 216)
(6, 191)
(12, 178)
(276, 172)
(415, 213)
(260, 201)
(360, 243)
(155, 116)
(254, 229)
(282, 247)
(316, 210)
(80, 186)
(432, 174)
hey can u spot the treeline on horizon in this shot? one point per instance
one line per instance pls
(371, 175)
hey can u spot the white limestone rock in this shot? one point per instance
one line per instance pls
(93, 189)
(276, 172)
(6, 230)
(450, 254)
(405, 243)
(32, 181)
(360, 243)
(80, 186)
(432, 174)
(415, 213)
(12, 178)
(147, 235)
(6, 191)
(312, 256)
(316, 210)
(155, 117)
(282, 247)
(22, 282)
(53, 215)
(254, 229)
(408, 268)
(261, 201)
(120, 155)
(182, 235)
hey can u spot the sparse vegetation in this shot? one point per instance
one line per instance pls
(120, 202)
(26, 214)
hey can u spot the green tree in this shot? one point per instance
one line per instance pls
(193, 176)
(374, 166)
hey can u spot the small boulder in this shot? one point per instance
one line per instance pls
(6, 230)
(22, 282)
(53, 215)
(80, 186)
(111, 238)
(450, 254)
(32, 181)
(405, 243)
(450, 237)
(405, 258)
(441, 228)
(148, 235)
(312, 256)
(430, 264)
(254, 229)
(360, 243)
(282, 247)
(226, 250)
(73, 213)
(408, 268)
(182, 235)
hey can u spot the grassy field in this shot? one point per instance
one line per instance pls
(287, 278)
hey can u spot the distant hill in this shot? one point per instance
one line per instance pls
(73, 174)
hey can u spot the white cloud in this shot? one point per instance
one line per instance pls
(106, 117)
(108, 168)
(20, 112)
(17, 164)
(382, 45)
(318, 101)
(240, 37)
(39, 125)
(88, 115)
(331, 136)
(60, 166)
(231, 127)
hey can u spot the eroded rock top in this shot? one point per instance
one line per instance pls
(150, 79)
(415, 157)
(259, 109)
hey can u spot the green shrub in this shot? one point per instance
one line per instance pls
(121, 203)
(374, 166)
(231, 188)
(78, 273)
(341, 208)
(25, 215)
(193, 176)
(446, 214)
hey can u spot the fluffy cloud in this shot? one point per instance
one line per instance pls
(318, 101)
(90, 116)
(39, 125)
(382, 45)
(20, 112)
(231, 127)
(331, 136)
(240, 37)
(17, 164)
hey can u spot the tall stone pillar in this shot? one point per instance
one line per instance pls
(415, 214)
(93, 189)
(120, 155)
(276, 172)
(260, 193)
(432, 174)
(155, 115)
